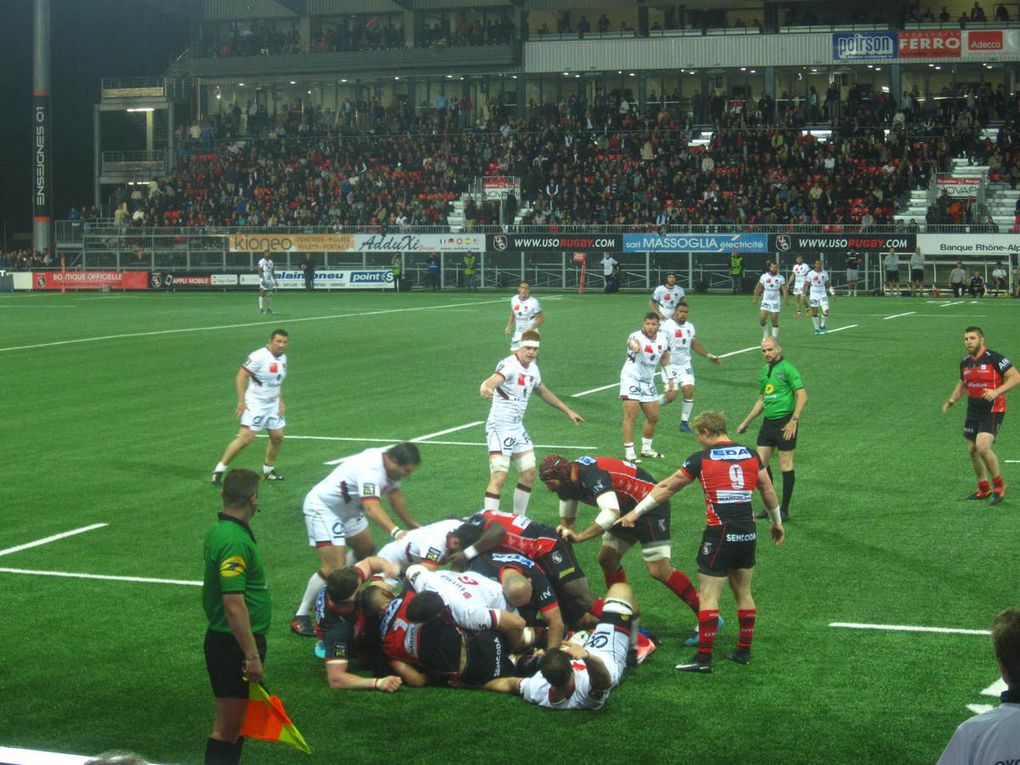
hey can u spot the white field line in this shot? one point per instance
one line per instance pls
(1012, 462)
(53, 538)
(261, 323)
(103, 577)
(417, 440)
(430, 442)
(10, 755)
(957, 302)
(840, 329)
(909, 628)
(899, 315)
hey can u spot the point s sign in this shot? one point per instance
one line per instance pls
(931, 43)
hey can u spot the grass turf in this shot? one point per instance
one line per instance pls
(125, 427)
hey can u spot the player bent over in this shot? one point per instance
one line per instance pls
(580, 677)
(260, 405)
(510, 388)
(729, 473)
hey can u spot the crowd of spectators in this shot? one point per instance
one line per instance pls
(608, 162)
(26, 259)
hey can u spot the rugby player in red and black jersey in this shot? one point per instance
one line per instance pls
(985, 376)
(525, 588)
(729, 474)
(615, 487)
(346, 630)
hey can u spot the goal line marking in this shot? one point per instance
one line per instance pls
(54, 538)
(102, 577)
(909, 628)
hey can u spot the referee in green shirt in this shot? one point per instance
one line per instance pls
(782, 398)
(235, 596)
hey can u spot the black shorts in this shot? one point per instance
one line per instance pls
(724, 548)
(223, 661)
(892, 276)
(560, 565)
(651, 528)
(488, 657)
(917, 274)
(982, 422)
(771, 434)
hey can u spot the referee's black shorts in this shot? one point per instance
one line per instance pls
(771, 434)
(224, 662)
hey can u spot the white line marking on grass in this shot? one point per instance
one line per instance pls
(261, 323)
(46, 307)
(1012, 462)
(900, 315)
(946, 305)
(980, 708)
(909, 628)
(840, 329)
(616, 384)
(53, 538)
(996, 689)
(417, 440)
(103, 577)
(430, 442)
(10, 755)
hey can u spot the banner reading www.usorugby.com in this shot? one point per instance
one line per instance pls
(397, 242)
(554, 242)
(806, 244)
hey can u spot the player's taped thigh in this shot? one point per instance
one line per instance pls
(499, 463)
(655, 552)
(617, 606)
(525, 461)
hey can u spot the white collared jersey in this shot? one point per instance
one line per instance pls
(680, 337)
(771, 286)
(525, 312)
(535, 690)
(265, 267)
(818, 281)
(265, 377)
(800, 272)
(474, 600)
(360, 477)
(423, 544)
(640, 365)
(510, 398)
(667, 299)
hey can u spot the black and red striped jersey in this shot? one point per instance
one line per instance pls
(984, 372)
(434, 646)
(523, 535)
(729, 474)
(599, 475)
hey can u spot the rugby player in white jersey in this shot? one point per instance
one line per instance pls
(338, 508)
(525, 313)
(647, 349)
(818, 297)
(425, 545)
(798, 274)
(666, 298)
(771, 286)
(577, 676)
(260, 405)
(682, 340)
(509, 388)
(267, 283)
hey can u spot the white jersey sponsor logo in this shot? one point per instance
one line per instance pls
(266, 374)
(510, 398)
(800, 272)
(680, 337)
(640, 365)
(771, 285)
(525, 312)
(818, 281)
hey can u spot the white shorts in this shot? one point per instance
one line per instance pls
(265, 416)
(798, 288)
(770, 306)
(327, 529)
(683, 374)
(852, 274)
(820, 302)
(611, 646)
(507, 439)
(638, 390)
(267, 285)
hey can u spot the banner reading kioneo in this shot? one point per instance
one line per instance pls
(999, 246)
(349, 279)
(90, 280)
(276, 243)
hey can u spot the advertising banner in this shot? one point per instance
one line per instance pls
(695, 243)
(931, 43)
(90, 280)
(275, 243)
(494, 187)
(858, 46)
(991, 43)
(841, 243)
(348, 279)
(958, 187)
(992, 246)
(553, 242)
(42, 171)
(176, 281)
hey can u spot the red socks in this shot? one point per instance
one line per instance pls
(681, 585)
(747, 618)
(708, 624)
